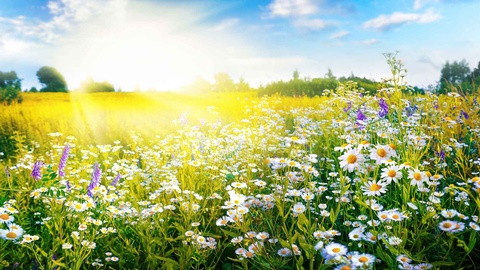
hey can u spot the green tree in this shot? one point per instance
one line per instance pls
(243, 86)
(51, 80)
(456, 74)
(91, 86)
(10, 87)
(223, 83)
(475, 76)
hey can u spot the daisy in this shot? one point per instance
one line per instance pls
(373, 188)
(402, 258)
(262, 236)
(447, 225)
(381, 153)
(449, 213)
(333, 250)
(223, 221)
(391, 173)
(423, 266)
(352, 159)
(362, 260)
(298, 208)
(6, 218)
(12, 233)
(284, 252)
(418, 178)
(356, 234)
(474, 226)
(459, 226)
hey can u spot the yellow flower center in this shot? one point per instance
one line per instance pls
(375, 187)
(364, 142)
(447, 225)
(351, 158)
(345, 267)
(381, 152)
(393, 146)
(336, 250)
(475, 179)
(417, 176)
(4, 216)
(392, 173)
(363, 259)
(11, 235)
(395, 216)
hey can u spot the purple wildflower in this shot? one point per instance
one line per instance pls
(96, 175)
(435, 104)
(411, 110)
(63, 161)
(115, 181)
(349, 107)
(360, 118)
(465, 114)
(67, 184)
(441, 155)
(36, 172)
(383, 108)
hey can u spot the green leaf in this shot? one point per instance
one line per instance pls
(229, 176)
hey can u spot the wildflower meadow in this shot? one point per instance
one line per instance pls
(342, 181)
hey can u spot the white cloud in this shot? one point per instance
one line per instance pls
(340, 35)
(311, 24)
(227, 23)
(396, 19)
(292, 8)
(369, 42)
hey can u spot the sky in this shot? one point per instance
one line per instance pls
(166, 44)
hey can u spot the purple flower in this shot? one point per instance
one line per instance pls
(115, 181)
(465, 114)
(67, 184)
(96, 175)
(63, 161)
(383, 108)
(360, 118)
(349, 107)
(36, 172)
(411, 110)
(441, 155)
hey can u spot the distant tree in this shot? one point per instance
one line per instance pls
(200, 85)
(223, 83)
(296, 75)
(243, 86)
(454, 74)
(475, 76)
(91, 86)
(33, 90)
(51, 80)
(10, 87)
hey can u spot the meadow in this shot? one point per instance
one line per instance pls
(235, 181)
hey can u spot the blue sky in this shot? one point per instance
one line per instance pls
(167, 44)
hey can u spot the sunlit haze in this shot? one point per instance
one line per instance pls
(167, 44)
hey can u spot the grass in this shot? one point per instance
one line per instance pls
(131, 181)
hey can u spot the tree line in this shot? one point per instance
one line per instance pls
(454, 76)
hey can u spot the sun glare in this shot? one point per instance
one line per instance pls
(138, 51)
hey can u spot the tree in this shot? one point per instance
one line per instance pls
(455, 74)
(51, 80)
(243, 86)
(91, 86)
(475, 76)
(223, 83)
(10, 87)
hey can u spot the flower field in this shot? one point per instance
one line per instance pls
(343, 181)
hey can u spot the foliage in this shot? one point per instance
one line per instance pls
(10, 88)
(51, 79)
(265, 189)
(91, 86)
(314, 87)
(457, 77)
